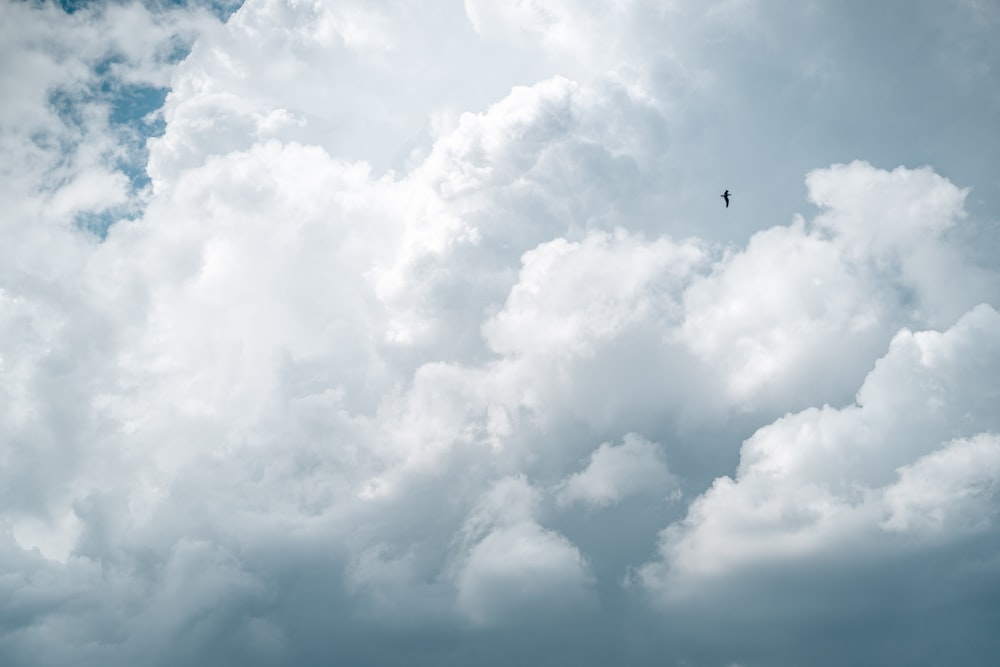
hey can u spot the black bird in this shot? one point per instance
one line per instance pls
(725, 195)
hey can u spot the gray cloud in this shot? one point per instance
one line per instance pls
(435, 351)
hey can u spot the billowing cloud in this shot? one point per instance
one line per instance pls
(803, 309)
(947, 492)
(812, 478)
(419, 335)
(513, 565)
(826, 491)
(618, 471)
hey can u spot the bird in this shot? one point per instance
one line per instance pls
(725, 195)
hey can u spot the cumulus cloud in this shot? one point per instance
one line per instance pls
(435, 351)
(822, 478)
(616, 471)
(513, 565)
(949, 491)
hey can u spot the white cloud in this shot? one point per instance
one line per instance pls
(802, 311)
(948, 491)
(822, 478)
(572, 297)
(513, 565)
(542, 163)
(615, 472)
(519, 568)
(333, 391)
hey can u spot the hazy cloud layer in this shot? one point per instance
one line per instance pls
(420, 335)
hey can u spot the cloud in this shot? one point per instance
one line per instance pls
(821, 478)
(570, 298)
(517, 566)
(616, 471)
(948, 491)
(541, 163)
(803, 309)
(399, 355)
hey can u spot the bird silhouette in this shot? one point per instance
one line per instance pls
(725, 195)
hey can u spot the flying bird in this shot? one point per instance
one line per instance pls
(725, 195)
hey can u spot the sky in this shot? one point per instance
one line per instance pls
(417, 333)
